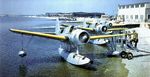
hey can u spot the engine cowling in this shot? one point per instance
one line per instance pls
(101, 28)
(79, 36)
(109, 25)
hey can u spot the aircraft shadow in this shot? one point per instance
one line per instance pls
(88, 66)
(98, 55)
(141, 55)
(144, 51)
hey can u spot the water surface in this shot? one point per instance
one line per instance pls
(42, 58)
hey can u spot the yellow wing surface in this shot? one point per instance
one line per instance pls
(57, 37)
(83, 28)
(89, 29)
(116, 29)
(118, 24)
(106, 36)
(112, 29)
(60, 37)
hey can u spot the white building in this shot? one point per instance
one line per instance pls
(134, 13)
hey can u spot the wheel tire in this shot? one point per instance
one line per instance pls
(129, 56)
(123, 54)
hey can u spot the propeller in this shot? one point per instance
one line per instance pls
(79, 36)
(104, 29)
(84, 37)
(101, 28)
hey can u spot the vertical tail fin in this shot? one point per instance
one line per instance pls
(57, 29)
(84, 23)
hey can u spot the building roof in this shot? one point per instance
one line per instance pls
(136, 3)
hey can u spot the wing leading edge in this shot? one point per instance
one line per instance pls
(106, 36)
(117, 29)
(40, 34)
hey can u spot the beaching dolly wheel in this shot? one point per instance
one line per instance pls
(129, 56)
(123, 54)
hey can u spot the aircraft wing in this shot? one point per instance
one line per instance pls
(83, 28)
(72, 22)
(90, 22)
(105, 36)
(119, 24)
(89, 29)
(53, 33)
(40, 34)
(117, 29)
(65, 25)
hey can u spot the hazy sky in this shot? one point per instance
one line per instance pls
(24, 7)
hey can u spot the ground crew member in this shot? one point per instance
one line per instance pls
(134, 38)
(128, 36)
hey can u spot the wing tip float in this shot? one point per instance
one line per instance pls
(40, 34)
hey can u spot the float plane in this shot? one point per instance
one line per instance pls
(97, 29)
(71, 38)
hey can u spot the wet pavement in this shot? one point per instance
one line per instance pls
(139, 66)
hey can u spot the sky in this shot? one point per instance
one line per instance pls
(34, 7)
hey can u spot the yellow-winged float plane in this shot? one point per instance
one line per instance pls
(97, 29)
(72, 38)
(103, 24)
(102, 27)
